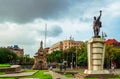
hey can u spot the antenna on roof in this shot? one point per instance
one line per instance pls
(71, 37)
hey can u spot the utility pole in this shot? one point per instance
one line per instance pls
(45, 35)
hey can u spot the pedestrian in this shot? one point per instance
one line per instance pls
(112, 67)
(51, 67)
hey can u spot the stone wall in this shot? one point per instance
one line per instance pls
(12, 69)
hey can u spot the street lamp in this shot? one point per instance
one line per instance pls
(76, 60)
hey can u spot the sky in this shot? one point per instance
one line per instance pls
(22, 22)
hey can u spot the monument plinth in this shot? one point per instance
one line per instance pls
(96, 51)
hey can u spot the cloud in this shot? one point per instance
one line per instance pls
(55, 31)
(52, 31)
(27, 34)
(5, 27)
(16, 34)
(23, 22)
(23, 11)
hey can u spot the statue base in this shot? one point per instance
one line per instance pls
(96, 72)
(96, 53)
(96, 36)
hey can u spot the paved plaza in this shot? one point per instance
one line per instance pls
(54, 74)
(58, 76)
(18, 74)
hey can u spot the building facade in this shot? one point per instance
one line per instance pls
(113, 42)
(18, 51)
(54, 47)
(64, 45)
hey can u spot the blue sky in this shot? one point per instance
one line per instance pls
(22, 22)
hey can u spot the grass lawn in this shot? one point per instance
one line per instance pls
(40, 74)
(2, 73)
(8, 78)
(30, 70)
(68, 75)
(4, 65)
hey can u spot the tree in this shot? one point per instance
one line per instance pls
(55, 56)
(112, 54)
(82, 55)
(7, 56)
(71, 56)
(26, 59)
(78, 56)
(108, 55)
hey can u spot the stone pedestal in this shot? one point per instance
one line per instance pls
(96, 52)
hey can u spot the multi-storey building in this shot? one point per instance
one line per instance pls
(113, 42)
(18, 51)
(70, 43)
(64, 45)
(56, 46)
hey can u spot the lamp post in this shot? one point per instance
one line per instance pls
(72, 62)
(76, 60)
(76, 52)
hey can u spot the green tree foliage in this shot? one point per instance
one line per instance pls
(112, 54)
(26, 59)
(70, 56)
(55, 56)
(7, 56)
(82, 55)
(76, 55)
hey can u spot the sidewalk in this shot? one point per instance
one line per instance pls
(58, 76)
(116, 71)
(18, 74)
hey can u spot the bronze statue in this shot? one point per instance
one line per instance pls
(97, 25)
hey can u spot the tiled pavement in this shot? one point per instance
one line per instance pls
(116, 71)
(59, 76)
(18, 74)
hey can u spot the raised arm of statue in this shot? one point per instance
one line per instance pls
(98, 19)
